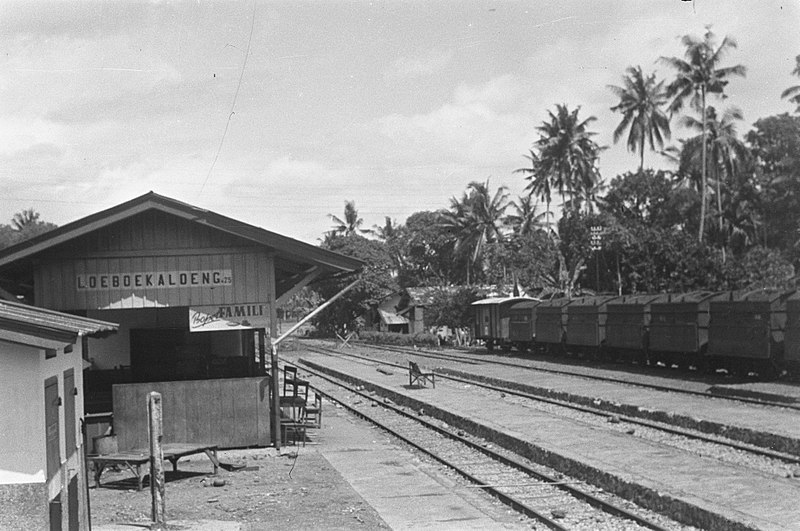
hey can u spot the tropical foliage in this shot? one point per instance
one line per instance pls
(699, 75)
(641, 102)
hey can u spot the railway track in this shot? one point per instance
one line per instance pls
(709, 444)
(482, 359)
(553, 501)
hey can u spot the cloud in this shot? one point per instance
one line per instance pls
(481, 125)
(21, 133)
(425, 65)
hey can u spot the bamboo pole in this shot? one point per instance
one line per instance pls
(305, 319)
(156, 461)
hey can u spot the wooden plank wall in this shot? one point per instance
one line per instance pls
(55, 282)
(151, 242)
(230, 412)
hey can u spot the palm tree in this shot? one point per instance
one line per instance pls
(793, 93)
(351, 224)
(475, 219)
(539, 183)
(640, 102)
(565, 156)
(25, 218)
(699, 75)
(385, 232)
(723, 146)
(526, 220)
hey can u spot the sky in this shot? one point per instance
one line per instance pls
(275, 113)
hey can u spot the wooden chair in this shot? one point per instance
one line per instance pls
(415, 375)
(296, 402)
(289, 379)
(314, 412)
(294, 426)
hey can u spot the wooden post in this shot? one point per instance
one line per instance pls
(262, 351)
(156, 460)
(276, 399)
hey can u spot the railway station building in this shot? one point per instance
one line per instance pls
(195, 294)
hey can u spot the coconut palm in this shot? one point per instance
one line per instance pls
(640, 101)
(564, 158)
(526, 220)
(476, 219)
(793, 93)
(25, 218)
(726, 151)
(565, 154)
(385, 232)
(539, 182)
(698, 75)
(351, 224)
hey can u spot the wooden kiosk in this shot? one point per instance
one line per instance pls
(195, 294)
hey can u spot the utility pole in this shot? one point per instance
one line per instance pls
(596, 244)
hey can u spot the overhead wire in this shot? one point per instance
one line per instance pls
(233, 104)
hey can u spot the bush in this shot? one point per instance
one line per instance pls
(404, 340)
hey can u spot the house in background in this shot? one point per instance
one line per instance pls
(403, 311)
(42, 469)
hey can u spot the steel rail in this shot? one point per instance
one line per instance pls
(506, 460)
(756, 450)
(437, 355)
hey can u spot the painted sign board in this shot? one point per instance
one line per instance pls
(155, 279)
(228, 317)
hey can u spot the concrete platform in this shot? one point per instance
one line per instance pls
(709, 494)
(395, 483)
(778, 429)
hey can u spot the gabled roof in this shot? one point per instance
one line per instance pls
(30, 325)
(285, 247)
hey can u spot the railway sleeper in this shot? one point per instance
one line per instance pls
(648, 498)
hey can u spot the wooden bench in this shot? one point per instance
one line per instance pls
(415, 375)
(134, 459)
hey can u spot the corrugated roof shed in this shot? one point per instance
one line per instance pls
(391, 318)
(30, 320)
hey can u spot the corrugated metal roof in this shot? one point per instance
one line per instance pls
(500, 300)
(391, 318)
(27, 319)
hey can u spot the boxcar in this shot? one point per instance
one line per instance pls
(627, 321)
(791, 342)
(678, 331)
(521, 324)
(585, 330)
(492, 319)
(746, 330)
(551, 320)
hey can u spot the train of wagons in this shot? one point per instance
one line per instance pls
(741, 332)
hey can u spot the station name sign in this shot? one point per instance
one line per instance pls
(228, 317)
(155, 279)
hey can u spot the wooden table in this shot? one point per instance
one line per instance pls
(134, 459)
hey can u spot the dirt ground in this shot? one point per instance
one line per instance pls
(297, 489)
